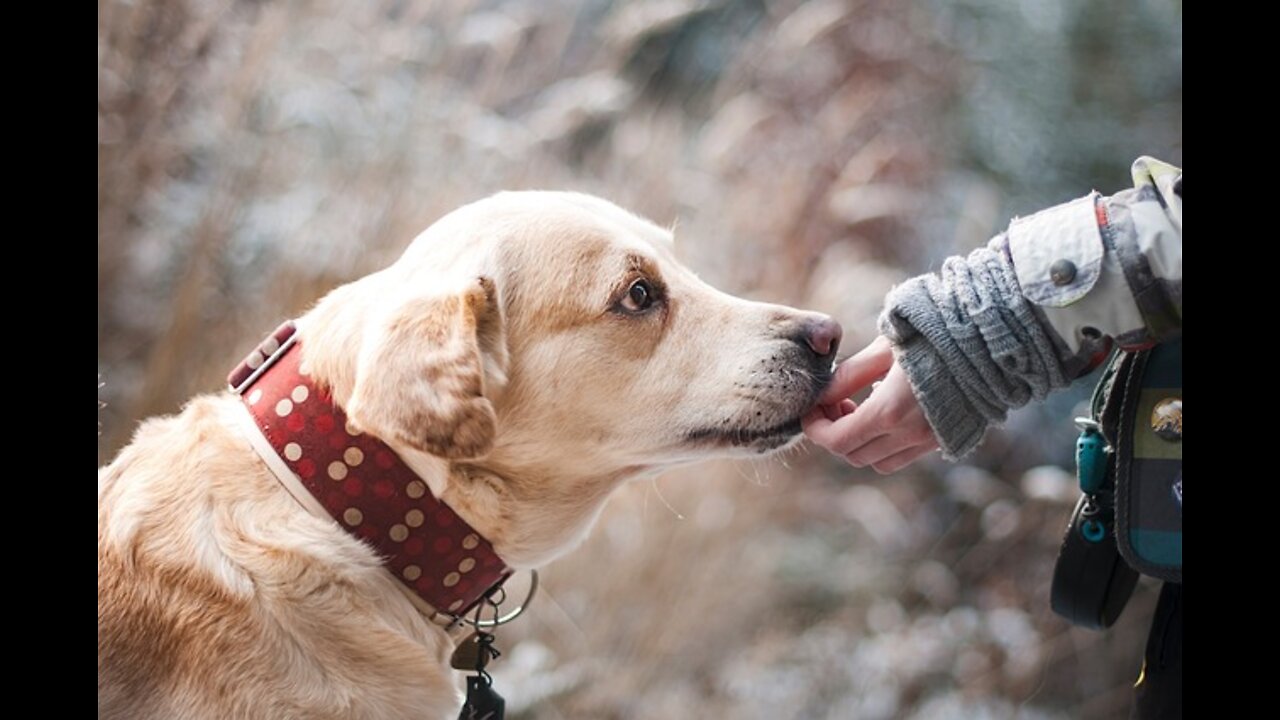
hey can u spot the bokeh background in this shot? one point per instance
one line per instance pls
(252, 155)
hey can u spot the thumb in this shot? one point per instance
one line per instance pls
(868, 365)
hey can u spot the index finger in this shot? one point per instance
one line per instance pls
(865, 367)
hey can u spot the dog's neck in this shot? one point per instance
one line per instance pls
(531, 517)
(335, 471)
(531, 509)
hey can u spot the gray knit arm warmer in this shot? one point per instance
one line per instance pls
(972, 346)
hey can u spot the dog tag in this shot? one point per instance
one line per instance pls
(467, 655)
(474, 653)
(482, 702)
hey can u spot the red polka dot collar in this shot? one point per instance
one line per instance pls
(360, 483)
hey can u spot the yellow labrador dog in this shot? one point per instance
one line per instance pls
(527, 355)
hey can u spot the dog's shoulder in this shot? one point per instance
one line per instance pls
(215, 589)
(161, 613)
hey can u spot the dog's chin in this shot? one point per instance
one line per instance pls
(760, 441)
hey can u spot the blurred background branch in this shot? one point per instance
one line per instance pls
(252, 155)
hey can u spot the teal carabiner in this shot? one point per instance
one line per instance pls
(1091, 456)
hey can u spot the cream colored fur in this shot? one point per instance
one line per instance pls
(498, 358)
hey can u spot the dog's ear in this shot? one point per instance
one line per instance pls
(422, 375)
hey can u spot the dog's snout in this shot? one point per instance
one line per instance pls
(821, 334)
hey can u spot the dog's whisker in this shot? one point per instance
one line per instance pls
(759, 478)
(658, 491)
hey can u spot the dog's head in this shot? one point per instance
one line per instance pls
(554, 335)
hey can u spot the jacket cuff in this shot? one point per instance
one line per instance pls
(1063, 265)
(957, 425)
(1058, 252)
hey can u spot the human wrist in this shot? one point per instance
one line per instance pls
(957, 425)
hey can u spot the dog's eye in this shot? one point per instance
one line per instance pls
(639, 296)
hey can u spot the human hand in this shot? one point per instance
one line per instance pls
(888, 431)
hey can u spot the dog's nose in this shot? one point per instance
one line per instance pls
(822, 334)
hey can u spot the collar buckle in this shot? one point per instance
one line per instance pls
(262, 358)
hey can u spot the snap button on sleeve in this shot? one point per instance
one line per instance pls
(1062, 272)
